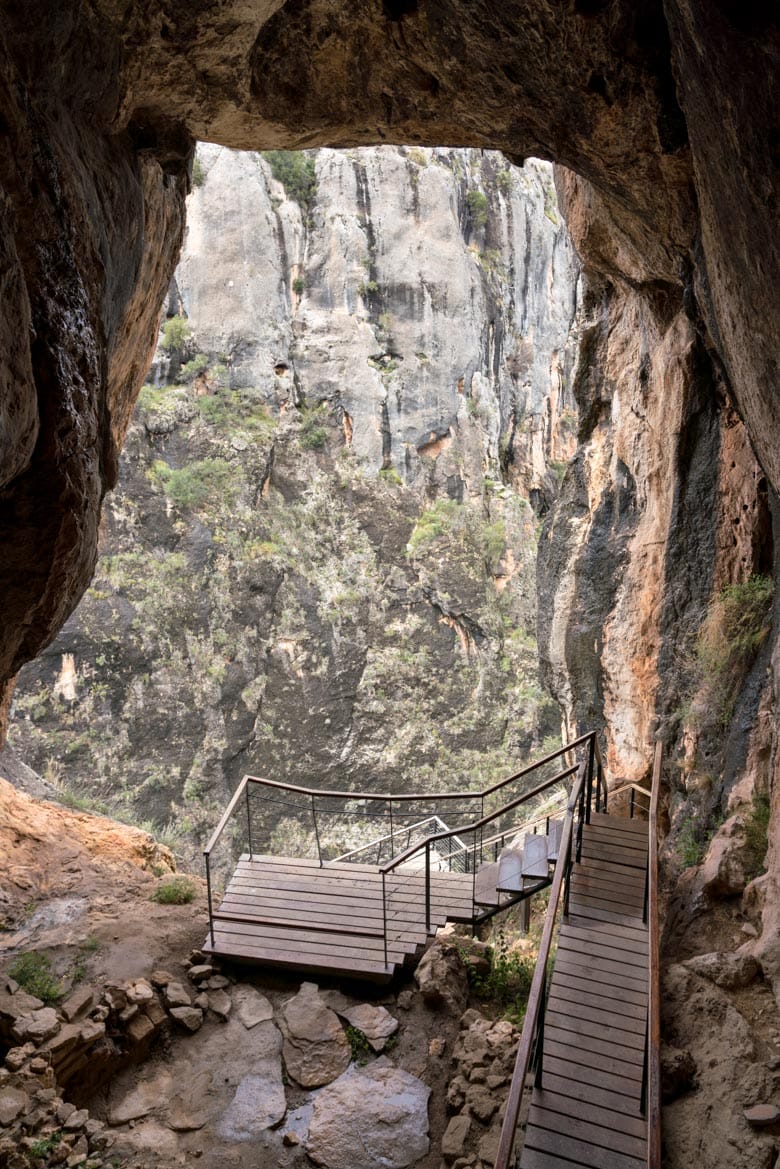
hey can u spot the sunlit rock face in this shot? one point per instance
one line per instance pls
(428, 295)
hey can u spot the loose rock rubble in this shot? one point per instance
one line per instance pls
(484, 1058)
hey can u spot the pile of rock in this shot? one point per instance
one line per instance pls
(87, 1038)
(484, 1058)
(39, 1128)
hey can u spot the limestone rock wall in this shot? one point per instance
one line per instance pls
(429, 295)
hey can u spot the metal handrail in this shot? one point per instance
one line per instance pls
(314, 794)
(652, 1099)
(404, 856)
(530, 1039)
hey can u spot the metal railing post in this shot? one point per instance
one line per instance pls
(384, 914)
(631, 805)
(591, 762)
(316, 829)
(392, 833)
(428, 885)
(248, 822)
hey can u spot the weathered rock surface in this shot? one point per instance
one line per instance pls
(316, 1050)
(252, 1007)
(259, 1100)
(441, 977)
(376, 1023)
(371, 1119)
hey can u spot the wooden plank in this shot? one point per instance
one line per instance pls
(629, 858)
(601, 970)
(607, 953)
(549, 1100)
(310, 902)
(303, 961)
(588, 1094)
(606, 1017)
(592, 1156)
(621, 823)
(594, 1061)
(617, 836)
(608, 1040)
(342, 893)
(587, 1130)
(273, 935)
(535, 862)
(592, 1077)
(638, 932)
(582, 909)
(612, 901)
(580, 934)
(592, 994)
(327, 957)
(631, 890)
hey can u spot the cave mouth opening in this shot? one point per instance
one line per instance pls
(331, 491)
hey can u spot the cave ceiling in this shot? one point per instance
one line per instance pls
(668, 113)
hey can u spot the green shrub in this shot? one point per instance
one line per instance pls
(33, 973)
(433, 522)
(504, 181)
(507, 982)
(736, 624)
(175, 891)
(757, 837)
(190, 371)
(477, 203)
(195, 485)
(198, 173)
(294, 169)
(299, 285)
(176, 333)
(359, 1045)
(313, 434)
(691, 846)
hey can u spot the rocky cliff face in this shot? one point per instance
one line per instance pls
(319, 561)
(428, 296)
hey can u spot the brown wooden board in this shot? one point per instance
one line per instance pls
(586, 1129)
(593, 1156)
(551, 1100)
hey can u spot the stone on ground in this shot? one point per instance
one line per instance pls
(316, 1050)
(376, 1023)
(375, 1118)
(442, 979)
(259, 1100)
(252, 1007)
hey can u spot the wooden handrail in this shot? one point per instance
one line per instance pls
(653, 1109)
(536, 994)
(429, 840)
(220, 828)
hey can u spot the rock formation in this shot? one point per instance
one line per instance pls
(249, 613)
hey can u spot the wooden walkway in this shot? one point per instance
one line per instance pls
(587, 1112)
(295, 914)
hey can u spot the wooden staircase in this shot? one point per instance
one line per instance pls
(346, 917)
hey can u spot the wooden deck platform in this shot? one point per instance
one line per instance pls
(294, 914)
(588, 1112)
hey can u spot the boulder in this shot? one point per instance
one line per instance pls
(316, 1050)
(376, 1023)
(375, 1118)
(220, 1003)
(442, 979)
(139, 991)
(176, 996)
(37, 1026)
(78, 1003)
(13, 1103)
(729, 970)
(259, 1100)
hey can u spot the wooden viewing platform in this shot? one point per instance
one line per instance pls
(294, 914)
(336, 913)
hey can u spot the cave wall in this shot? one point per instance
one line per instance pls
(674, 213)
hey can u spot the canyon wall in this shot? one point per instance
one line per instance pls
(319, 560)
